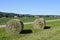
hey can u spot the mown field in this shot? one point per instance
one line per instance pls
(50, 32)
(31, 19)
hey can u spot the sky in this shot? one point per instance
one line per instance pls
(34, 7)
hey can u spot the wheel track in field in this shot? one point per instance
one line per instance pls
(32, 22)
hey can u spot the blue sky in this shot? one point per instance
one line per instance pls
(35, 7)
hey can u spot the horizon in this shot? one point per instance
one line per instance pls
(29, 14)
(33, 7)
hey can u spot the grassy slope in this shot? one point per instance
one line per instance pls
(47, 34)
(4, 20)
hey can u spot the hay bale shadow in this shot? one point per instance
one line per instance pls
(26, 31)
(47, 27)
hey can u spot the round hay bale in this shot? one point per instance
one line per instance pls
(15, 17)
(14, 26)
(37, 17)
(39, 23)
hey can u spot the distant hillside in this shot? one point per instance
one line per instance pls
(5, 14)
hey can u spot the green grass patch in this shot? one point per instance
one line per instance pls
(31, 19)
(47, 34)
(4, 20)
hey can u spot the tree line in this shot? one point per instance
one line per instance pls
(4, 14)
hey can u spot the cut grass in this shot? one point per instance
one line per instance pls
(47, 34)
